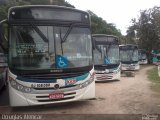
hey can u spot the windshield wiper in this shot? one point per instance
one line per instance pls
(98, 49)
(67, 33)
(65, 36)
(40, 33)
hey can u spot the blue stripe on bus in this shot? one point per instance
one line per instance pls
(78, 78)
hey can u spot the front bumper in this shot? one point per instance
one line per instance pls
(108, 76)
(41, 97)
(130, 67)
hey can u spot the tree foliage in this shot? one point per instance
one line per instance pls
(146, 29)
(100, 26)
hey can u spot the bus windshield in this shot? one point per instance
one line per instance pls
(39, 48)
(109, 52)
(129, 55)
(142, 55)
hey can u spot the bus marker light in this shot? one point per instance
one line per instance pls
(27, 90)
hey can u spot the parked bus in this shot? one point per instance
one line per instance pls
(50, 55)
(155, 56)
(106, 57)
(142, 54)
(129, 57)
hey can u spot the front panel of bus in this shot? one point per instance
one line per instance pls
(106, 58)
(50, 55)
(142, 57)
(129, 57)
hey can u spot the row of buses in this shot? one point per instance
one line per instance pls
(51, 52)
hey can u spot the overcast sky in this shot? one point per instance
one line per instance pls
(119, 12)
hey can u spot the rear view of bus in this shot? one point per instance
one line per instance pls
(142, 54)
(129, 57)
(106, 57)
(50, 55)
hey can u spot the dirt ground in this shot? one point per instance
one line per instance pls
(130, 95)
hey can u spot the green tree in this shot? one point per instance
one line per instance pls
(100, 26)
(131, 36)
(146, 29)
(3, 12)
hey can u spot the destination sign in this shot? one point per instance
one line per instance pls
(128, 47)
(48, 13)
(105, 39)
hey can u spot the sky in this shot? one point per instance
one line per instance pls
(118, 12)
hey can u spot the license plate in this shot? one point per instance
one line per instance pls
(130, 68)
(56, 95)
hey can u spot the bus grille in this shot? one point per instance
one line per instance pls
(101, 77)
(45, 98)
(52, 100)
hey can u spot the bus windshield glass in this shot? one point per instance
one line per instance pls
(106, 52)
(128, 55)
(41, 47)
(142, 55)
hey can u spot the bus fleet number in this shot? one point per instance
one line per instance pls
(46, 85)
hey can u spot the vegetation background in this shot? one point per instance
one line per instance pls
(143, 31)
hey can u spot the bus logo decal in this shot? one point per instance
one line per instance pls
(70, 82)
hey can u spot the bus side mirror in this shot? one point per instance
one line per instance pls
(3, 40)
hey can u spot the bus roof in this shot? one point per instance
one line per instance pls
(47, 12)
(46, 6)
(105, 39)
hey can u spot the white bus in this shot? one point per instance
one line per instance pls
(106, 57)
(142, 54)
(129, 57)
(50, 55)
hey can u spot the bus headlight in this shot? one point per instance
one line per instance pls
(19, 87)
(116, 71)
(13, 83)
(86, 83)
